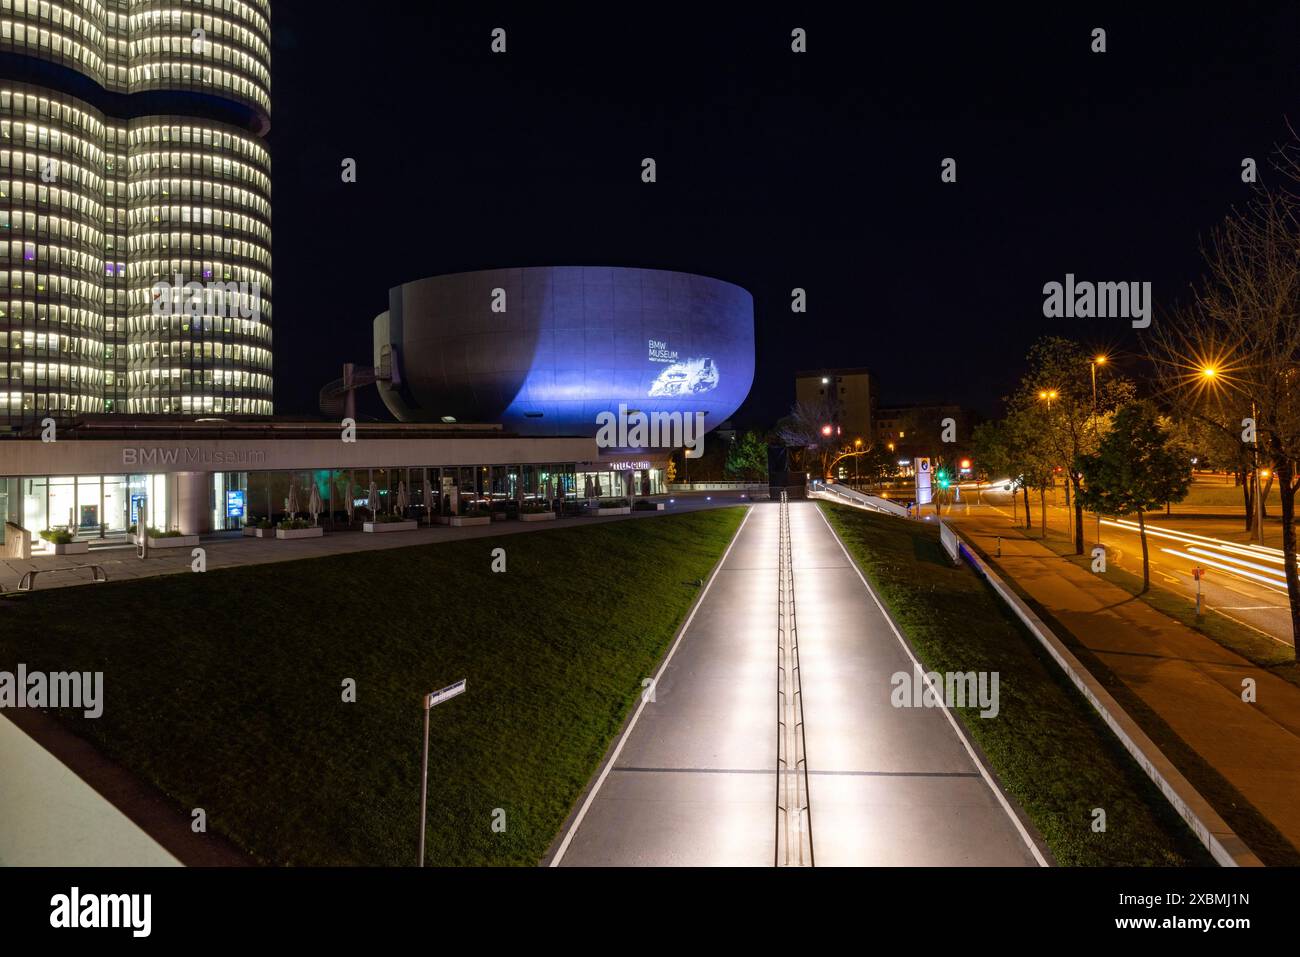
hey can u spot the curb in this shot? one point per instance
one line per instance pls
(1219, 839)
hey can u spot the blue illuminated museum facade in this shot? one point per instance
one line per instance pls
(545, 350)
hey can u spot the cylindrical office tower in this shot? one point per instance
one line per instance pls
(52, 291)
(138, 181)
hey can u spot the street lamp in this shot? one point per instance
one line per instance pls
(1097, 361)
(857, 478)
(1047, 395)
(1210, 373)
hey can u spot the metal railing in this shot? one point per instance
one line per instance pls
(859, 499)
(794, 841)
(28, 582)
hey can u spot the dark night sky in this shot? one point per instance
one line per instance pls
(775, 170)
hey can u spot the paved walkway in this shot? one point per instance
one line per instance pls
(49, 816)
(229, 550)
(694, 782)
(1190, 681)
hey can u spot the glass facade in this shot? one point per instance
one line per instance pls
(100, 213)
(104, 507)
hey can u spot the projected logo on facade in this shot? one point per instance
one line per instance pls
(689, 377)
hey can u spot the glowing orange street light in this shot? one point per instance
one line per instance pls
(826, 430)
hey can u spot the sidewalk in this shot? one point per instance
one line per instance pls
(230, 550)
(694, 780)
(1192, 683)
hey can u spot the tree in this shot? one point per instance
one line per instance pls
(1018, 446)
(992, 441)
(878, 464)
(1059, 386)
(1135, 467)
(1241, 339)
(810, 431)
(747, 458)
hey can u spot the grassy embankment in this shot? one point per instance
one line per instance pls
(1047, 746)
(225, 689)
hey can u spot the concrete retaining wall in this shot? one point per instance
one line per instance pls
(1212, 831)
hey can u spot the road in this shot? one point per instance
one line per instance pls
(693, 782)
(1241, 582)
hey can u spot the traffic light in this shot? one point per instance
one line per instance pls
(942, 477)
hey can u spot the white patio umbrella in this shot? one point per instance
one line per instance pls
(550, 491)
(373, 500)
(314, 504)
(588, 487)
(292, 507)
(403, 499)
(628, 479)
(645, 483)
(428, 499)
(348, 497)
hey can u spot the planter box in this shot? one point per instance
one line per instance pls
(378, 527)
(442, 519)
(72, 548)
(536, 516)
(176, 541)
(658, 507)
(250, 531)
(499, 516)
(316, 532)
(617, 510)
(460, 520)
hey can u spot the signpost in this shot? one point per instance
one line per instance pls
(1198, 573)
(431, 700)
(923, 490)
(141, 526)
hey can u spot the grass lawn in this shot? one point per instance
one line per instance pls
(1047, 746)
(225, 689)
(1226, 494)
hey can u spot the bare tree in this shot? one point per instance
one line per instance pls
(812, 430)
(1241, 338)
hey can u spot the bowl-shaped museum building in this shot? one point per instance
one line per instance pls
(545, 351)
